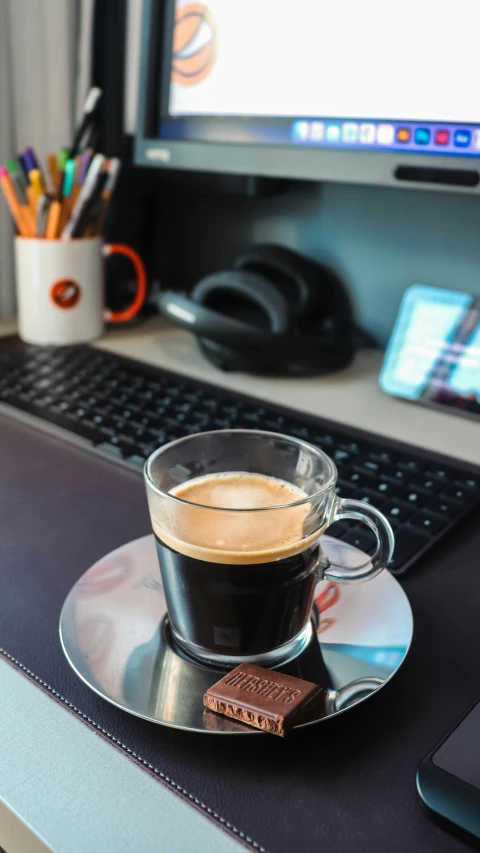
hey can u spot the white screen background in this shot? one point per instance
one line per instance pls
(417, 60)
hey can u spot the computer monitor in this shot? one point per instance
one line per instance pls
(340, 90)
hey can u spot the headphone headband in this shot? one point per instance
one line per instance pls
(306, 308)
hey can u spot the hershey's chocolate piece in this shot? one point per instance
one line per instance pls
(264, 698)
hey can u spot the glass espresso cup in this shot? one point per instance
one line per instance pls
(237, 516)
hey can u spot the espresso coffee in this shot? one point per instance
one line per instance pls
(237, 583)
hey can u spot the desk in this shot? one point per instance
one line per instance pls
(37, 733)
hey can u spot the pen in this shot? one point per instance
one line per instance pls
(16, 209)
(62, 158)
(18, 180)
(23, 165)
(82, 170)
(42, 208)
(67, 192)
(68, 177)
(91, 103)
(88, 187)
(53, 220)
(113, 173)
(53, 172)
(32, 163)
(91, 208)
(32, 199)
(36, 180)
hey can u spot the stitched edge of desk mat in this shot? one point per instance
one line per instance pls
(141, 762)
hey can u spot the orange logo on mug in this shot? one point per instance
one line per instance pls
(194, 44)
(65, 293)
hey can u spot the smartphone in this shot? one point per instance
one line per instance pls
(433, 356)
(448, 779)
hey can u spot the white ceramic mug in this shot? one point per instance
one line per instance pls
(60, 289)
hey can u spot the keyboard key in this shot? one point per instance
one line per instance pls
(367, 496)
(111, 449)
(410, 465)
(426, 521)
(298, 431)
(465, 496)
(397, 511)
(337, 529)
(345, 490)
(383, 456)
(341, 457)
(370, 466)
(417, 499)
(325, 440)
(138, 460)
(471, 483)
(351, 447)
(407, 543)
(363, 540)
(390, 490)
(355, 478)
(428, 484)
(443, 474)
(444, 507)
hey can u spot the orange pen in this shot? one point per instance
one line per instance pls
(53, 221)
(32, 198)
(17, 210)
(53, 171)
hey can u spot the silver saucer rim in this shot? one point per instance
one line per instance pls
(246, 731)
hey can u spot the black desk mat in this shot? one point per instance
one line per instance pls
(344, 785)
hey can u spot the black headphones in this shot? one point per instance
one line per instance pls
(273, 312)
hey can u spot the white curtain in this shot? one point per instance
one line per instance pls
(39, 50)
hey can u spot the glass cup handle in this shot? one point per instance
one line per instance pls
(373, 518)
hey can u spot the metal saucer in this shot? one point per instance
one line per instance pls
(114, 632)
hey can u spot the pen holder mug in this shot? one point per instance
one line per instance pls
(60, 289)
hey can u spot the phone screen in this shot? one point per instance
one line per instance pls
(460, 753)
(434, 352)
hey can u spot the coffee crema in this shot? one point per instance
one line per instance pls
(195, 529)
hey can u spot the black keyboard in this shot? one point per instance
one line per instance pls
(127, 409)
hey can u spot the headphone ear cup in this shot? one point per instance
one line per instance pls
(332, 317)
(245, 296)
(292, 275)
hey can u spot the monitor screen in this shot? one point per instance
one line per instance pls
(322, 73)
(344, 90)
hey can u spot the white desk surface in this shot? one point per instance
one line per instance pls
(44, 804)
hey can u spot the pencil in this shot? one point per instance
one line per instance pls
(53, 220)
(13, 203)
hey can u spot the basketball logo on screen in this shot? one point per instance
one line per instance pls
(194, 44)
(65, 293)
